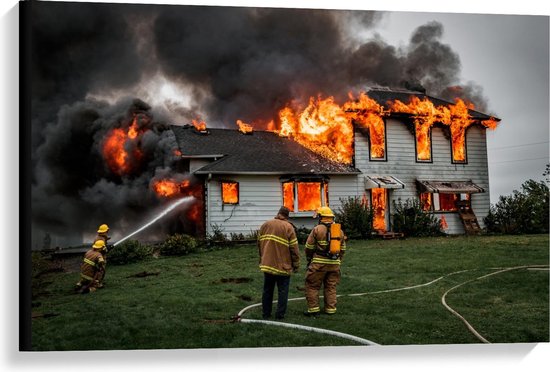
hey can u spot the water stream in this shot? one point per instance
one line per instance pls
(170, 208)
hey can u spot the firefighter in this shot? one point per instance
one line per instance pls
(92, 268)
(102, 234)
(325, 247)
(279, 258)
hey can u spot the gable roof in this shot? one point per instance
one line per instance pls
(382, 96)
(261, 152)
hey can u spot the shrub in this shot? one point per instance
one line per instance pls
(178, 245)
(253, 235)
(409, 219)
(128, 252)
(302, 233)
(355, 217)
(523, 212)
(236, 237)
(217, 235)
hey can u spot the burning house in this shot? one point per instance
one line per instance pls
(383, 146)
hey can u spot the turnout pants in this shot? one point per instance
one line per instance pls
(328, 276)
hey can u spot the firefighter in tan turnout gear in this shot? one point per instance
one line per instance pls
(103, 234)
(279, 258)
(92, 268)
(325, 247)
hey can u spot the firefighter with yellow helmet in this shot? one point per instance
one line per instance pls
(92, 268)
(103, 234)
(325, 248)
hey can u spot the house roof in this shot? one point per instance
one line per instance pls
(382, 96)
(261, 152)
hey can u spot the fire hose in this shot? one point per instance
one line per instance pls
(170, 208)
(239, 317)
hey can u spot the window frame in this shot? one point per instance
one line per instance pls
(324, 193)
(222, 182)
(385, 158)
(435, 201)
(465, 161)
(431, 160)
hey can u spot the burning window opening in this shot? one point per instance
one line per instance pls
(305, 196)
(442, 202)
(423, 142)
(379, 205)
(230, 192)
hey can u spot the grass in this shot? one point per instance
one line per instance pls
(192, 301)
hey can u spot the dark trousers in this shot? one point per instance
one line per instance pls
(282, 282)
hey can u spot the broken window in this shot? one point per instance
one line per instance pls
(377, 139)
(441, 202)
(230, 192)
(458, 145)
(423, 142)
(305, 195)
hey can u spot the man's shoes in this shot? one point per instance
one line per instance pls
(315, 313)
(265, 317)
(279, 317)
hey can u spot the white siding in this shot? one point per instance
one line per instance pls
(402, 164)
(261, 196)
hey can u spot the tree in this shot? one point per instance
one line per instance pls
(523, 212)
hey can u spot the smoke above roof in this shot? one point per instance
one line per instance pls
(96, 66)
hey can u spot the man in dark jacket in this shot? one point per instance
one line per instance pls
(279, 258)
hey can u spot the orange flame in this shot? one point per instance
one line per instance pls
(230, 192)
(379, 206)
(322, 126)
(168, 188)
(243, 127)
(177, 152)
(288, 195)
(119, 160)
(425, 115)
(368, 114)
(309, 196)
(199, 125)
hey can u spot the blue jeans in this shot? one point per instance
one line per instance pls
(282, 282)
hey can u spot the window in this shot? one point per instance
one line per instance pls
(377, 139)
(423, 142)
(230, 192)
(438, 202)
(458, 145)
(305, 195)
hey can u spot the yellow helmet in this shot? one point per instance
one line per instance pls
(325, 212)
(99, 245)
(103, 229)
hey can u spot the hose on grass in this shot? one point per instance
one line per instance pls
(363, 341)
(499, 271)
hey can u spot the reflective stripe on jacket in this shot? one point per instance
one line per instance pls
(317, 243)
(92, 263)
(278, 247)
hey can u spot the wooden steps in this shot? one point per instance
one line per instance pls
(468, 218)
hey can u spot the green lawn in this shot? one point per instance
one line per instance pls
(192, 301)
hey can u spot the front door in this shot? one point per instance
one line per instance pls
(379, 206)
